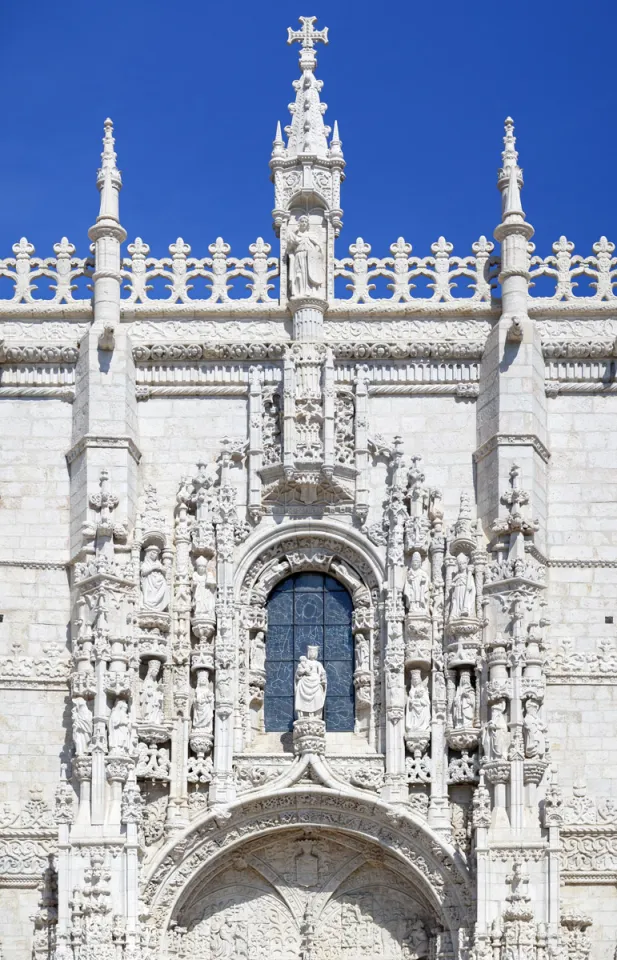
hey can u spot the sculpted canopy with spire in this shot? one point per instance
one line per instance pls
(307, 172)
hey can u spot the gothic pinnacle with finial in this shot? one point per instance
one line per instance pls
(510, 182)
(109, 184)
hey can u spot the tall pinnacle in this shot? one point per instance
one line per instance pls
(510, 182)
(109, 180)
(307, 133)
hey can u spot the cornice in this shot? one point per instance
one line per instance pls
(91, 441)
(512, 439)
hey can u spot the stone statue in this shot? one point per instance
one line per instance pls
(416, 589)
(496, 738)
(310, 685)
(154, 586)
(119, 732)
(306, 262)
(204, 590)
(152, 695)
(362, 653)
(418, 710)
(82, 726)
(463, 589)
(534, 731)
(203, 703)
(258, 651)
(464, 705)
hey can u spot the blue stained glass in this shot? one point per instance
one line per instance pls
(279, 714)
(279, 678)
(309, 581)
(308, 608)
(339, 643)
(340, 678)
(280, 608)
(285, 586)
(339, 714)
(305, 635)
(280, 644)
(337, 608)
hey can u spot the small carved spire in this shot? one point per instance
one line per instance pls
(336, 144)
(108, 179)
(278, 145)
(307, 133)
(510, 181)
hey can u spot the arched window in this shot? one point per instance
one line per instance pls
(309, 609)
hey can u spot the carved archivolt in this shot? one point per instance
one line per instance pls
(397, 843)
(306, 546)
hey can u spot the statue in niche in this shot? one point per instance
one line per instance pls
(534, 731)
(154, 586)
(416, 589)
(362, 653)
(204, 589)
(258, 651)
(81, 718)
(152, 695)
(463, 589)
(119, 731)
(496, 737)
(418, 710)
(306, 261)
(464, 704)
(310, 685)
(203, 703)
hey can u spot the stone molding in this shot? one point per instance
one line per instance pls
(518, 440)
(94, 441)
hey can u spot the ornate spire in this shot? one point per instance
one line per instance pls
(108, 179)
(307, 134)
(307, 171)
(510, 182)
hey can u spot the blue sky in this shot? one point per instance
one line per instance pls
(420, 92)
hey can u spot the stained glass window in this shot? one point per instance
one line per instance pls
(309, 609)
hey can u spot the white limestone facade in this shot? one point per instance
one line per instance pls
(309, 608)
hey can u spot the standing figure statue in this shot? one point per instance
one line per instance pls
(258, 651)
(119, 731)
(416, 589)
(463, 589)
(464, 705)
(82, 726)
(306, 262)
(418, 710)
(534, 731)
(204, 589)
(203, 703)
(152, 695)
(154, 586)
(310, 686)
(496, 738)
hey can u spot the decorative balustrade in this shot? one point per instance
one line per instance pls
(219, 271)
(441, 270)
(563, 267)
(474, 278)
(24, 268)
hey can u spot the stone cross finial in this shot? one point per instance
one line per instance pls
(307, 36)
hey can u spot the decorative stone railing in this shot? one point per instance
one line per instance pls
(441, 270)
(62, 270)
(223, 279)
(564, 268)
(219, 271)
